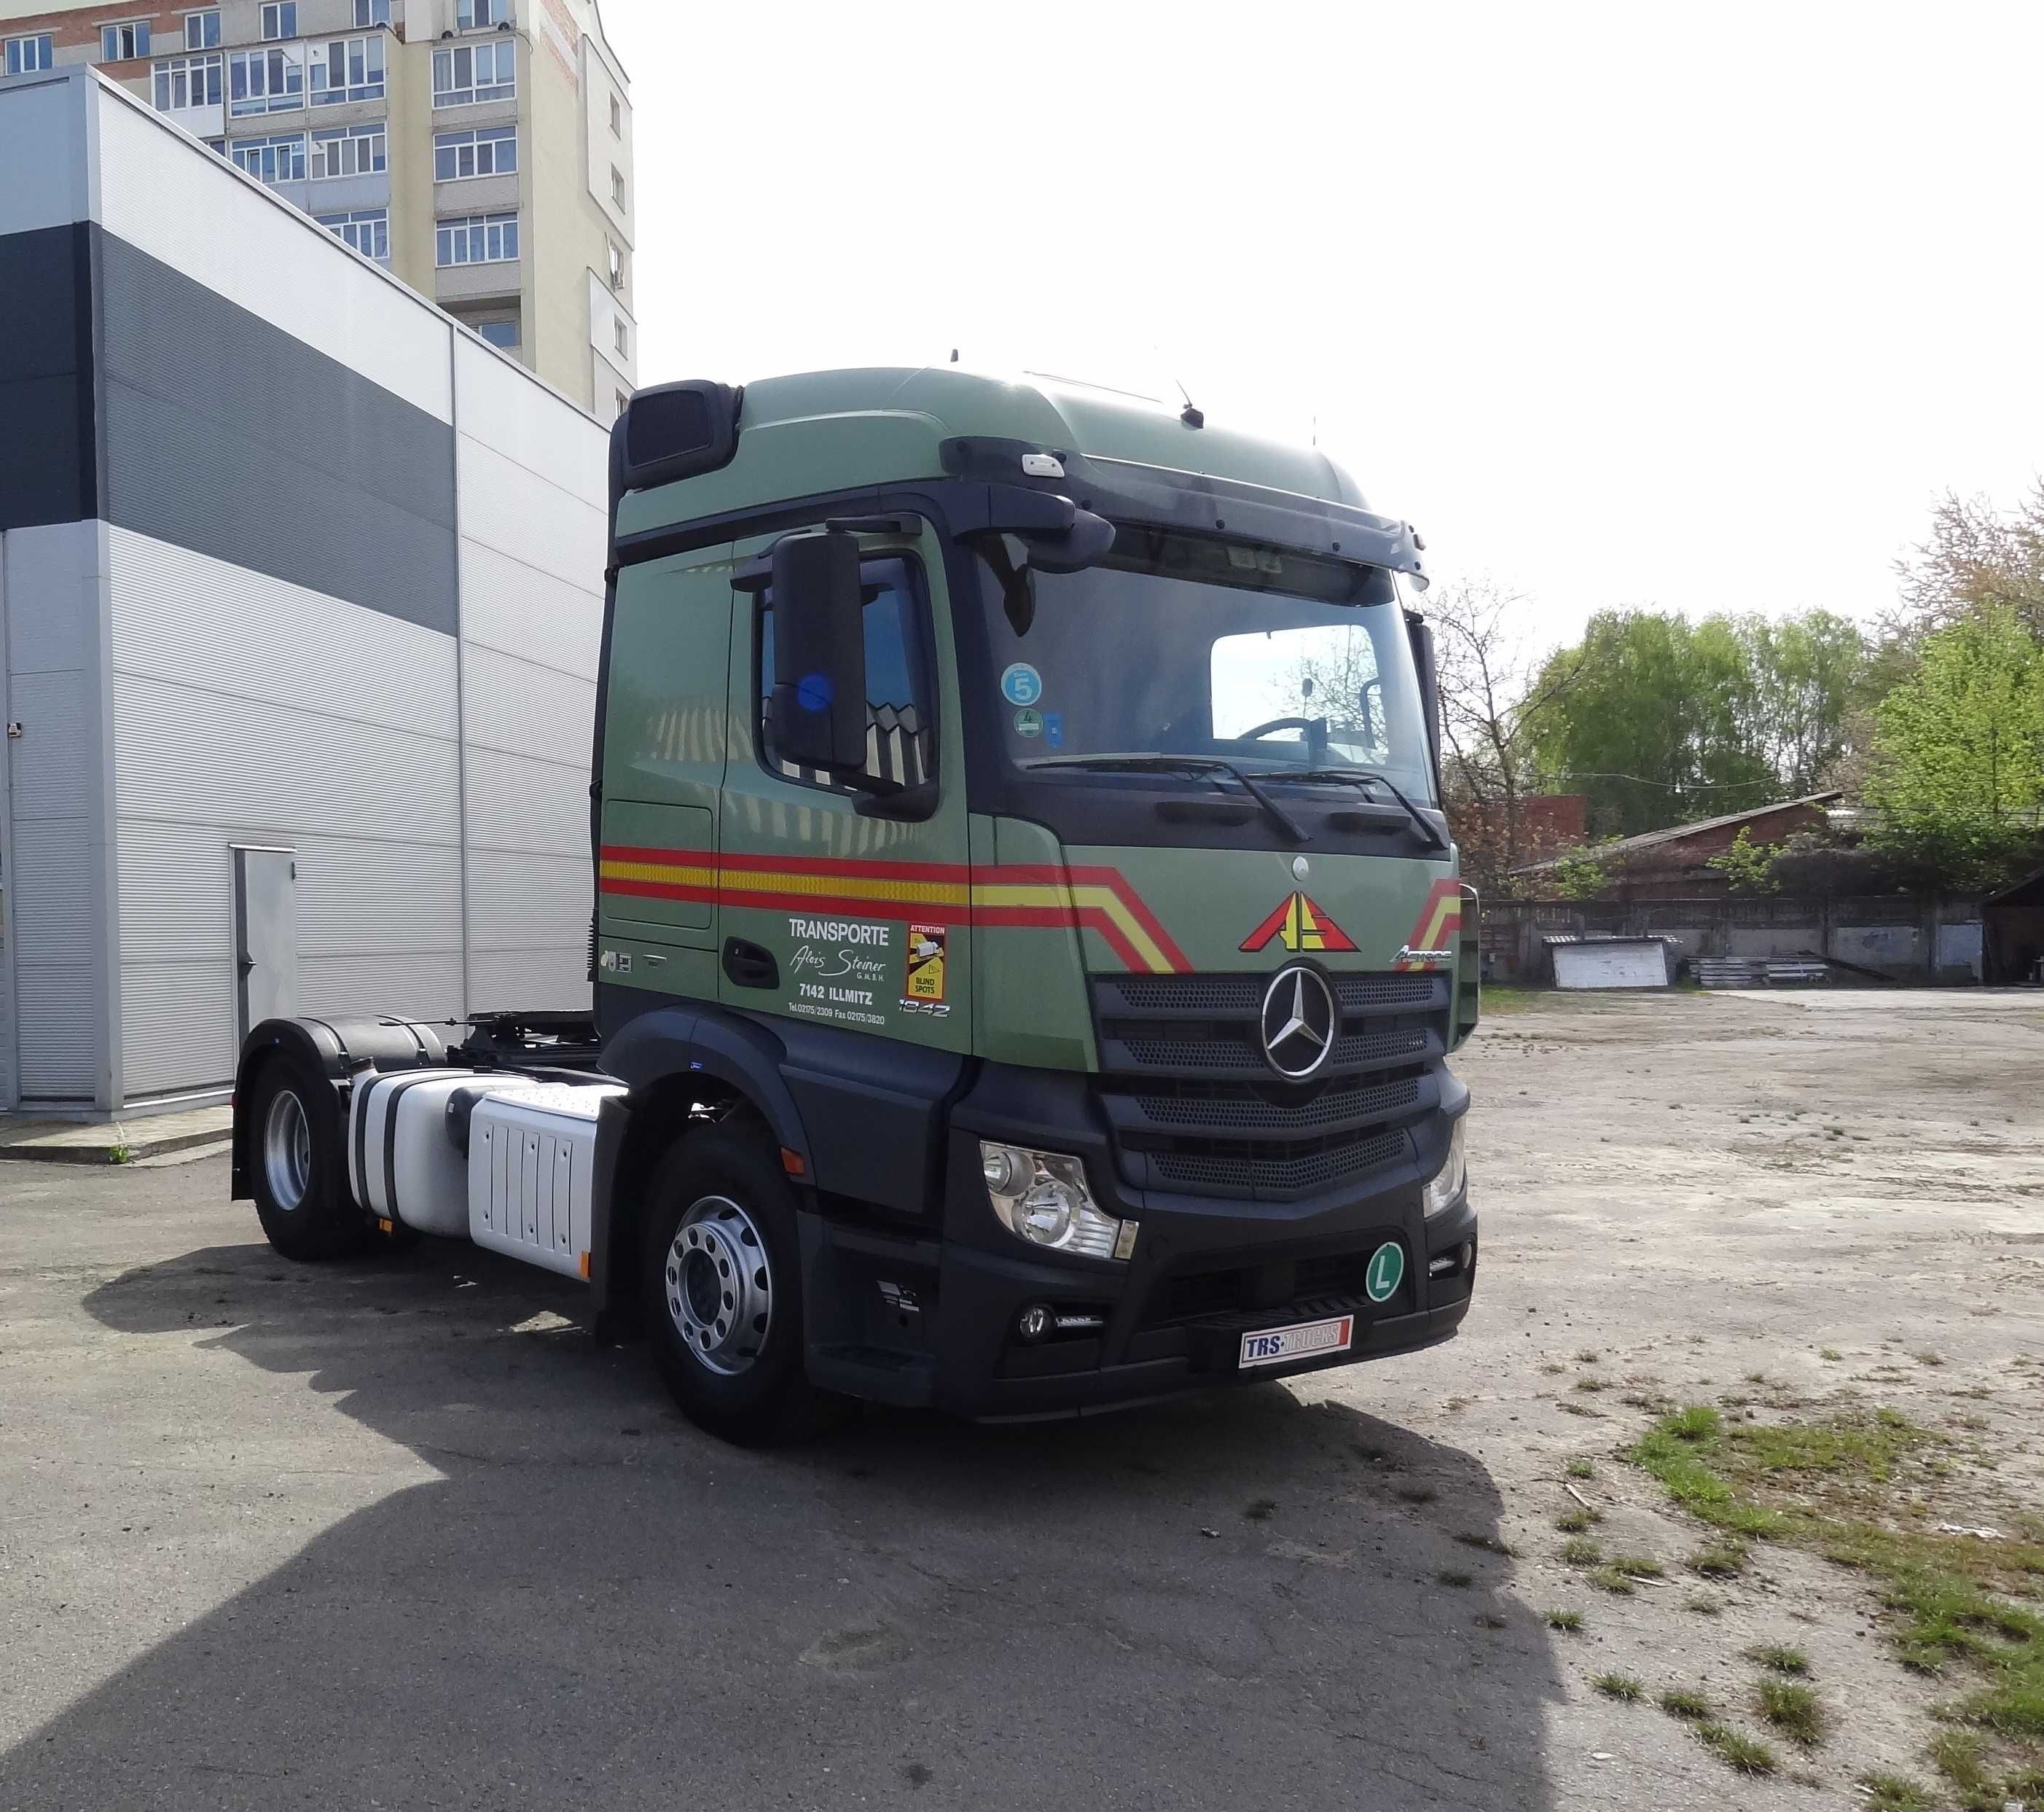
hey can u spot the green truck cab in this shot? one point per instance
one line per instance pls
(1028, 943)
(1025, 922)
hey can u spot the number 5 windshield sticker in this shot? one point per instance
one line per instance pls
(1021, 684)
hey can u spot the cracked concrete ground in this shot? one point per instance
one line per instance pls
(394, 1534)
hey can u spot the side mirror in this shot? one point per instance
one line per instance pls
(1420, 633)
(818, 711)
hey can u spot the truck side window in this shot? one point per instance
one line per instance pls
(901, 722)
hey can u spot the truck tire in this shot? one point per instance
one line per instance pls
(721, 1276)
(295, 1166)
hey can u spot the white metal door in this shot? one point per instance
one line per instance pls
(266, 936)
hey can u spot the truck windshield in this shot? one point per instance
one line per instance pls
(1200, 647)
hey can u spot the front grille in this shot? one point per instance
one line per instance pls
(1196, 1108)
(1218, 1106)
(1247, 1168)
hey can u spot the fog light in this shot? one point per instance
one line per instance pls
(1033, 1322)
(1042, 1197)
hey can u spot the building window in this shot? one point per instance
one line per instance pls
(26, 55)
(479, 15)
(352, 151)
(272, 160)
(617, 186)
(501, 334)
(475, 72)
(264, 82)
(366, 229)
(616, 253)
(490, 151)
(623, 400)
(281, 20)
(346, 69)
(216, 146)
(202, 30)
(478, 239)
(372, 12)
(622, 335)
(185, 81)
(617, 118)
(118, 43)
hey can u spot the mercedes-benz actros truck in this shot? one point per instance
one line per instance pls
(1028, 943)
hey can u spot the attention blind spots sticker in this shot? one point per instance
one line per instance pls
(923, 985)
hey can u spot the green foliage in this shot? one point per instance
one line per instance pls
(1749, 866)
(1669, 720)
(1578, 876)
(1958, 772)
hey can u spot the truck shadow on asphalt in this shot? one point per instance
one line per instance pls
(1237, 1600)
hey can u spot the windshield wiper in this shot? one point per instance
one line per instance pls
(1184, 764)
(1369, 776)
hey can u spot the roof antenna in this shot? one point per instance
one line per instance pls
(953, 355)
(1190, 415)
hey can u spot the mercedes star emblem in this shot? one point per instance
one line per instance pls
(1298, 1021)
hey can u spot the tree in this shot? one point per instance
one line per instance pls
(1491, 697)
(1676, 720)
(1975, 557)
(1957, 777)
(1748, 866)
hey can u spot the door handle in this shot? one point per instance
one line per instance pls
(749, 966)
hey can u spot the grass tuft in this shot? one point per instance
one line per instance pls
(1580, 1551)
(1794, 1710)
(1638, 1567)
(1575, 1521)
(1704, 1604)
(1778, 1658)
(1892, 1793)
(1685, 1703)
(1743, 1753)
(1581, 1469)
(1622, 1687)
(1610, 1580)
(1721, 1560)
(1569, 1622)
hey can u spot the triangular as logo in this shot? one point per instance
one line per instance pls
(1298, 925)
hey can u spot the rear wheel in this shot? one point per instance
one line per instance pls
(722, 1288)
(300, 1184)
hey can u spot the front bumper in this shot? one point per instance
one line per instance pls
(935, 1321)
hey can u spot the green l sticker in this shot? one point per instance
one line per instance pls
(1386, 1271)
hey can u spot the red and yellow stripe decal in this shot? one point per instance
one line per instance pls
(1013, 894)
(1440, 919)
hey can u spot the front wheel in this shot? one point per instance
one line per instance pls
(722, 1288)
(294, 1163)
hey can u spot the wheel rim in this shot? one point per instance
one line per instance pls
(719, 1285)
(287, 1150)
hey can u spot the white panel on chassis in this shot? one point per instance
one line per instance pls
(532, 1151)
(408, 1168)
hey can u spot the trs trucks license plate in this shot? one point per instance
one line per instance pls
(1307, 1341)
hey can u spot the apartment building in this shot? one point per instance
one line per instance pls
(480, 150)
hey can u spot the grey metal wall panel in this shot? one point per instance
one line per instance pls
(516, 608)
(524, 708)
(516, 803)
(518, 902)
(53, 575)
(47, 468)
(426, 984)
(56, 958)
(188, 619)
(177, 1023)
(249, 446)
(42, 150)
(555, 979)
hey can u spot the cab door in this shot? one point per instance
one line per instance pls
(843, 918)
(664, 745)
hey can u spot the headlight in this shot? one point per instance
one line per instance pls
(1446, 1184)
(1042, 1197)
